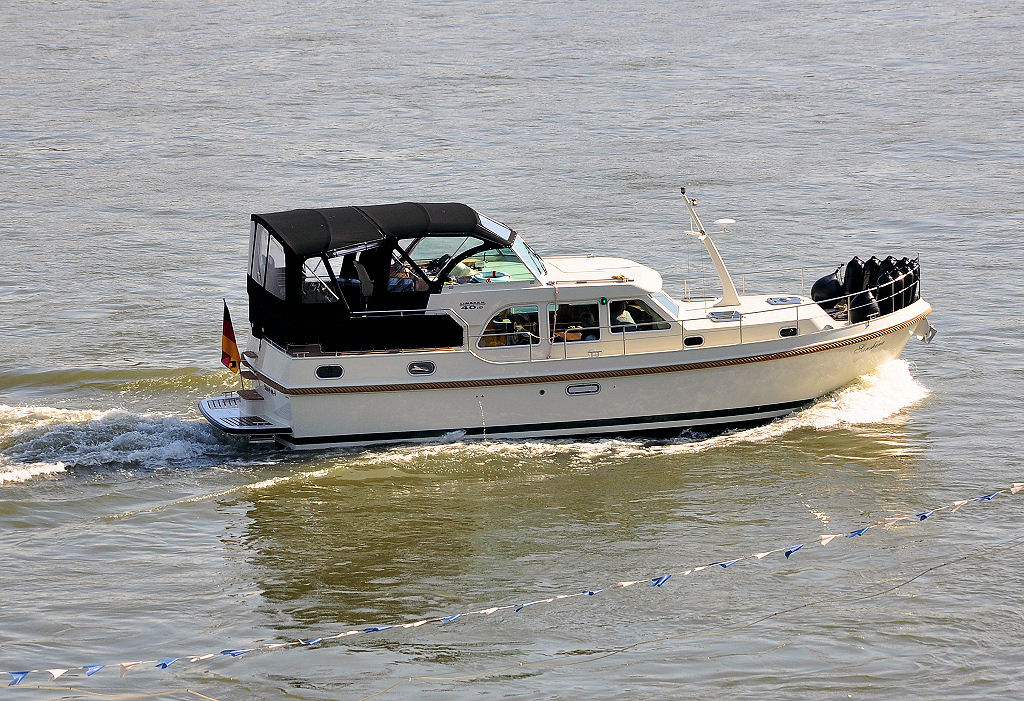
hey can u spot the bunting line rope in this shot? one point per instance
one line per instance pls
(707, 632)
(55, 672)
(87, 692)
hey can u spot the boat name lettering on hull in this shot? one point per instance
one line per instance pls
(865, 348)
(471, 305)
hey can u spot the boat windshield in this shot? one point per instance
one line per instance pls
(496, 228)
(431, 253)
(669, 304)
(477, 261)
(529, 258)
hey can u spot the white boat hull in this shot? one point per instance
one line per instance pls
(657, 392)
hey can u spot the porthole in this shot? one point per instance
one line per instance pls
(421, 367)
(787, 331)
(585, 388)
(693, 341)
(329, 372)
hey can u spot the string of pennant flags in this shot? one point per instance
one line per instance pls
(17, 677)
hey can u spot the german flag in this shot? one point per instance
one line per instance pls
(229, 355)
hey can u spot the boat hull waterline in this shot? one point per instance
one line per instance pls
(613, 396)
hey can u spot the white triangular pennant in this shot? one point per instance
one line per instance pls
(416, 624)
(761, 556)
(629, 584)
(958, 504)
(1017, 486)
(54, 673)
(125, 666)
(687, 572)
(199, 658)
(487, 612)
(702, 567)
(826, 539)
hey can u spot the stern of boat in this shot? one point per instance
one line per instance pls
(227, 414)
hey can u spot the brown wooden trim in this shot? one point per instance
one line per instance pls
(594, 375)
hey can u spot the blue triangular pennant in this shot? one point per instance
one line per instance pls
(793, 550)
(17, 678)
(859, 531)
(449, 619)
(658, 581)
(925, 514)
(988, 497)
(91, 669)
(593, 592)
(234, 653)
(523, 605)
(311, 641)
(376, 629)
(729, 562)
(166, 662)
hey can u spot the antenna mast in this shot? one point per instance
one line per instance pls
(729, 296)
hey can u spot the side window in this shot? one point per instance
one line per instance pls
(515, 326)
(316, 286)
(275, 269)
(635, 315)
(258, 257)
(574, 322)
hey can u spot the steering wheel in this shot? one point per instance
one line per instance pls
(435, 265)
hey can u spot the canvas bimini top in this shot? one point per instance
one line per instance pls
(311, 232)
(316, 274)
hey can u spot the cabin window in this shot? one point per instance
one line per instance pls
(787, 331)
(329, 372)
(514, 326)
(631, 315)
(421, 367)
(693, 341)
(574, 322)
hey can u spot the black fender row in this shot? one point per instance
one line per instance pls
(870, 288)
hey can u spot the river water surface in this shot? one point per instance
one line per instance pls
(134, 143)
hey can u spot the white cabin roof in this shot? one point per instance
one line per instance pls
(590, 269)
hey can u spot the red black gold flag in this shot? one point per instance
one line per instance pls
(229, 355)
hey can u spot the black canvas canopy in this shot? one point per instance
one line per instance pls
(312, 232)
(356, 249)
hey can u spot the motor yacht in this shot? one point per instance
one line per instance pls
(416, 322)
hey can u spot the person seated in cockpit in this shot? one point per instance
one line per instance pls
(621, 315)
(461, 273)
(403, 279)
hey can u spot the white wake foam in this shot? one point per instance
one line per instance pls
(36, 441)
